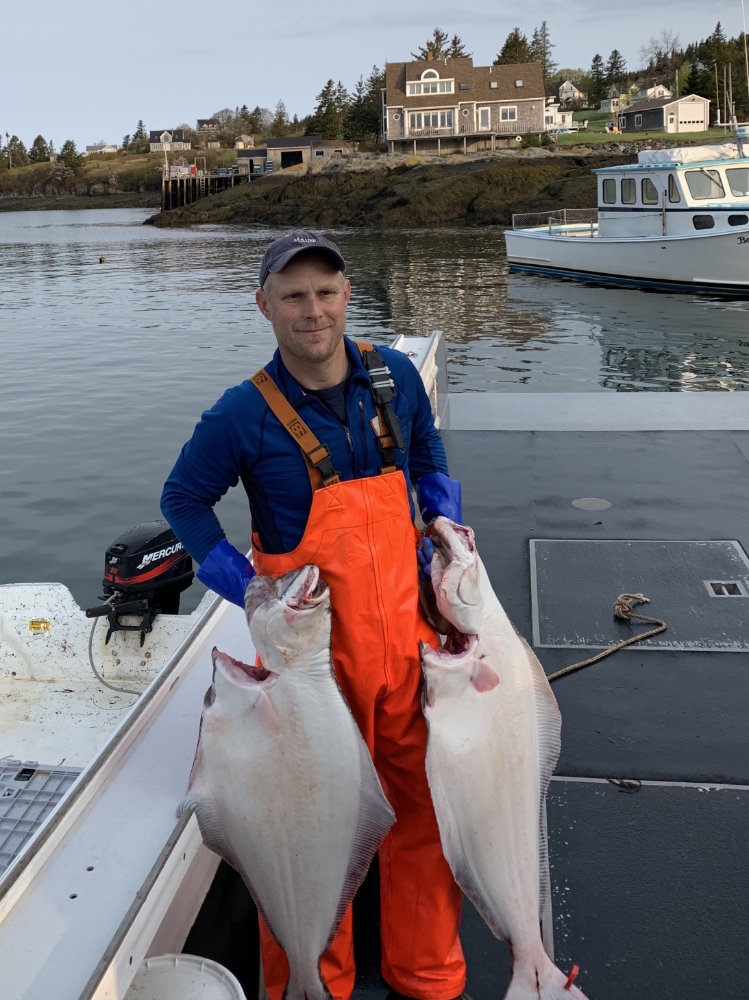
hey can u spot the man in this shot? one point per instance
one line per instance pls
(326, 441)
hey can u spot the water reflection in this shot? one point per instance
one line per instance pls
(106, 367)
(646, 340)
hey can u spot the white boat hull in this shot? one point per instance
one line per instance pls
(716, 262)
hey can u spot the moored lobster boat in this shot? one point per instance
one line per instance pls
(677, 219)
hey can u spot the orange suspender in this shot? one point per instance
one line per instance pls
(319, 461)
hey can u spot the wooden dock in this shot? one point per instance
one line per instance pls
(182, 185)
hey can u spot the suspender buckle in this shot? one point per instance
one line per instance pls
(321, 459)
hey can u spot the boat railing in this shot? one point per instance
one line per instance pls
(572, 221)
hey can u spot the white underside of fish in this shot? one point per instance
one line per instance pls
(285, 790)
(494, 739)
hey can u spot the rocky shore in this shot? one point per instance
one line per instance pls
(401, 192)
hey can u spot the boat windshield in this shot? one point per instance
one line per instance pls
(738, 181)
(704, 183)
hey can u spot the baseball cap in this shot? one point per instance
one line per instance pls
(286, 247)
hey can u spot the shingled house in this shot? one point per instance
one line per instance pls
(451, 106)
(169, 139)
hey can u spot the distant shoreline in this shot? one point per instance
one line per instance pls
(39, 203)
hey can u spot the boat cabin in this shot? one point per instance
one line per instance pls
(675, 192)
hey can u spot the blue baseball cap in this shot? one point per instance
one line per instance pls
(286, 247)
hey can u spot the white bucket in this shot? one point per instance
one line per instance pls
(183, 977)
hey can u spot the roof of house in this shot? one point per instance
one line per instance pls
(177, 134)
(471, 82)
(293, 141)
(660, 102)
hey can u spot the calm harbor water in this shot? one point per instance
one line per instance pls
(107, 366)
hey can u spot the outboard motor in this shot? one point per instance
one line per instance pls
(145, 571)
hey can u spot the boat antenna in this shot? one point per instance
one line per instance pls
(746, 53)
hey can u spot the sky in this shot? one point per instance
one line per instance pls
(90, 71)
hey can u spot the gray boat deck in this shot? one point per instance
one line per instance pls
(650, 886)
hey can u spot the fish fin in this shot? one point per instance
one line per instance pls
(545, 982)
(200, 800)
(375, 818)
(483, 677)
(549, 728)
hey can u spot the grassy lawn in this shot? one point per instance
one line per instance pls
(596, 133)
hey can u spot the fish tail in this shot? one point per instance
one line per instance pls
(546, 982)
(298, 989)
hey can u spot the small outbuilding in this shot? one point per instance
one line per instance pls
(669, 114)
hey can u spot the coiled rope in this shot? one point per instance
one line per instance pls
(622, 609)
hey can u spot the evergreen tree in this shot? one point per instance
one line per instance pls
(39, 152)
(280, 124)
(616, 68)
(258, 121)
(700, 81)
(597, 86)
(440, 46)
(125, 143)
(457, 49)
(70, 156)
(362, 120)
(327, 118)
(541, 46)
(15, 154)
(515, 49)
(140, 134)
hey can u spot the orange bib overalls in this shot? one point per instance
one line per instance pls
(361, 535)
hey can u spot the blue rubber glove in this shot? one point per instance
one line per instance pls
(226, 571)
(439, 495)
(424, 554)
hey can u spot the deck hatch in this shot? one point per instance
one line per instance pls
(574, 583)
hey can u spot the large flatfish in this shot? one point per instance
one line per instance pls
(494, 739)
(283, 785)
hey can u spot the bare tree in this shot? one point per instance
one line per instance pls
(661, 56)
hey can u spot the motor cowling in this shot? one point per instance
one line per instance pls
(145, 570)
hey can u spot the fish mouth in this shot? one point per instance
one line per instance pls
(306, 590)
(237, 670)
(450, 539)
(457, 646)
(458, 643)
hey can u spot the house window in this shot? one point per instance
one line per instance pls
(430, 86)
(463, 86)
(638, 121)
(484, 119)
(508, 114)
(319, 152)
(738, 181)
(704, 184)
(609, 191)
(493, 84)
(518, 83)
(673, 190)
(430, 119)
(430, 74)
(629, 191)
(649, 192)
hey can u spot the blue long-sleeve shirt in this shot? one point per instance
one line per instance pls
(239, 438)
